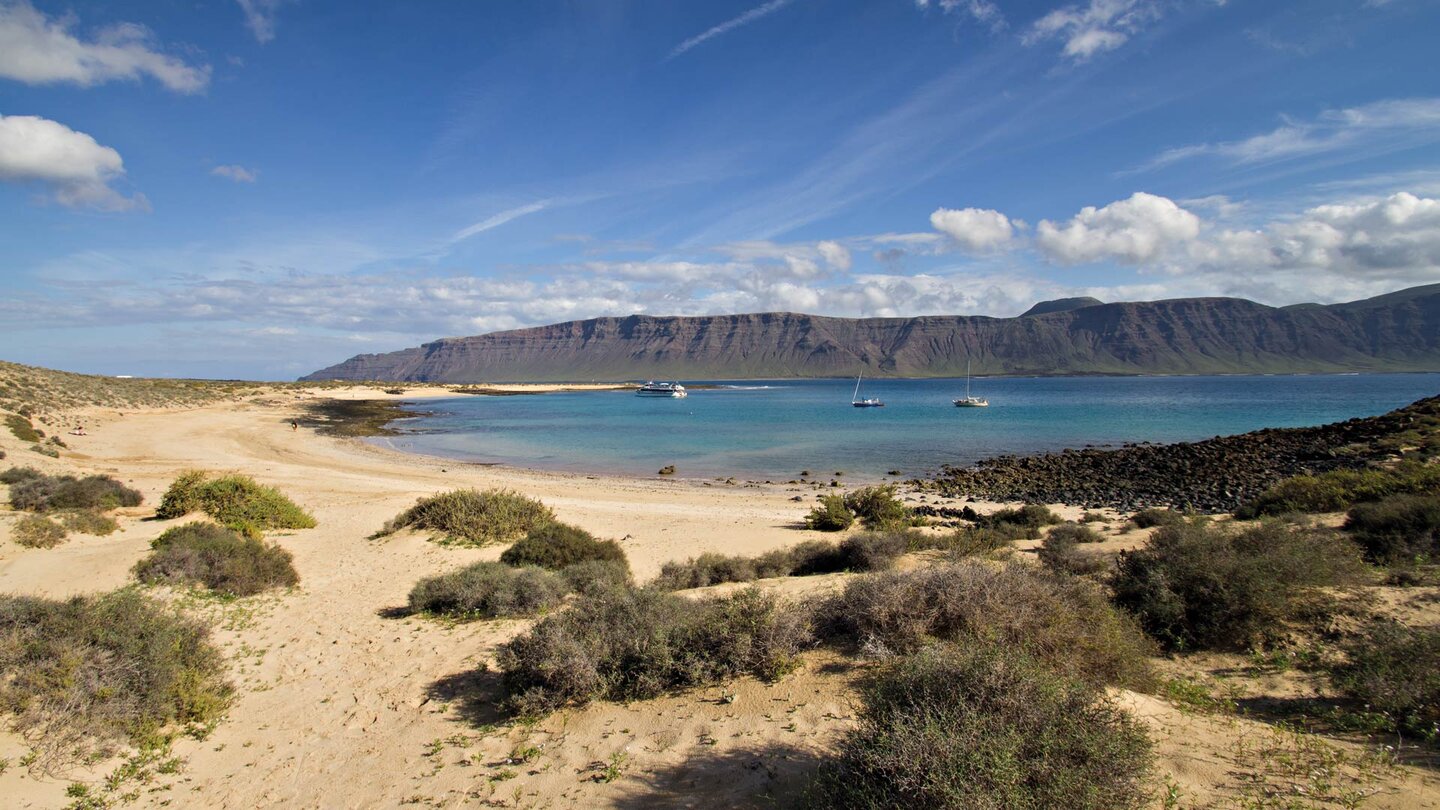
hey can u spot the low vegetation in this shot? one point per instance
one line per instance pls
(1064, 621)
(218, 558)
(34, 491)
(1395, 670)
(558, 545)
(235, 501)
(21, 428)
(985, 726)
(38, 531)
(489, 590)
(832, 515)
(1338, 490)
(1030, 518)
(877, 507)
(865, 551)
(1397, 530)
(89, 521)
(85, 673)
(1149, 518)
(592, 576)
(627, 644)
(1206, 586)
(474, 517)
(1061, 551)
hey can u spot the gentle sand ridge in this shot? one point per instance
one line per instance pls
(342, 706)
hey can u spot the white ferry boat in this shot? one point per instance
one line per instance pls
(662, 389)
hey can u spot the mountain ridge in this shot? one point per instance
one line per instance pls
(1398, 331)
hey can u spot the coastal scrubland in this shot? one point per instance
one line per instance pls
(603, 642)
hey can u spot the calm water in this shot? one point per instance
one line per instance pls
(773, 430)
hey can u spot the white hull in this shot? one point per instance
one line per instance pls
(666, 390)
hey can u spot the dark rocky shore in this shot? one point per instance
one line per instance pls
(354, 417)
(1214, 475)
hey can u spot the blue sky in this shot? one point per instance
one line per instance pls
(258, 188)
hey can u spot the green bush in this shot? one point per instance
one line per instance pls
(219, 558)
(832, 515)
(36, 492)
(873, 550)
(103, 669)
(38, 531)
(488, 590)
(1030, 517)
(21, 427)
(878, 508)
(969, 541)
(1338, 490)
(1147, 518)
(15, 475)
(1203, 586)
(591, 576)
(1060, 550)
(557, 545)
(89, 521)
(474, 517)
(1396, 670)
(236, 501)
(636, 644)
(985, 727)
(1398, 529)
(1065, 621)
(706, 570)
(865, 551)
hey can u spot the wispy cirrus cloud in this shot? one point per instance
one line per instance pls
(237, 173)
(495, 221)
(260, 17)
(37, 50)
(1087, 30)
(984, 12)
(729, 25)
(1389, 123)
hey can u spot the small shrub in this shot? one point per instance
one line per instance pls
(1065, 621)
(706, 570)
(52, 493)
(985, 727)
(43, 450)
(1338, 490)
(1398, 529)
(235, 501)
(103, 669)
(488, 590)
(473, 516)
(1200, 586)
(1396, 670)
(21, 427)
(832, 515)
(591, 576)
(969, 541)
(872, 551)
(38, 531)
(557, 545)
(16, 475)
(219, 558)
(1060, 550)
(1030, 517)
(89, 521)
(1148, 518)
(877, 507)
(1092, 517)
(637, 644)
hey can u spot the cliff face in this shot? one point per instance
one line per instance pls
(1396, 332)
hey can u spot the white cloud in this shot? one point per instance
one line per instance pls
(835, 254)
(36, 50)
(729, 25)
(976, 229)
(984, 12)
(239, 174)
(497, 220)
(260, 17)
(1100, 26)
(71, 165)
(1398, 122)
(1140, 229)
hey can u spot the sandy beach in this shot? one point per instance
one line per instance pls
(342, 704)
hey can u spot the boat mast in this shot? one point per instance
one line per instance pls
(967, 378)
(855, 397)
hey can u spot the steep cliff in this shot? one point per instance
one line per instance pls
(1395, 332)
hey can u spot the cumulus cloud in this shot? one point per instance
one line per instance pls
(70, 165)
(976, 229)
(1392, 122)
(260, 17)
(37, 50)
(1100, 26)
(1140, 229)
(835, 254)
(239, 174)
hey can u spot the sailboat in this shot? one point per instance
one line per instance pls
(870, 402)
(969, 401)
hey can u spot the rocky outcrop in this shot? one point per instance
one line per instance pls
(1396, 332)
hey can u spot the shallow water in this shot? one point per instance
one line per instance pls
(775, 429)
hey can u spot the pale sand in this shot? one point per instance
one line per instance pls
(338, 705)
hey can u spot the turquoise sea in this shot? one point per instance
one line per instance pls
(761, 430)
